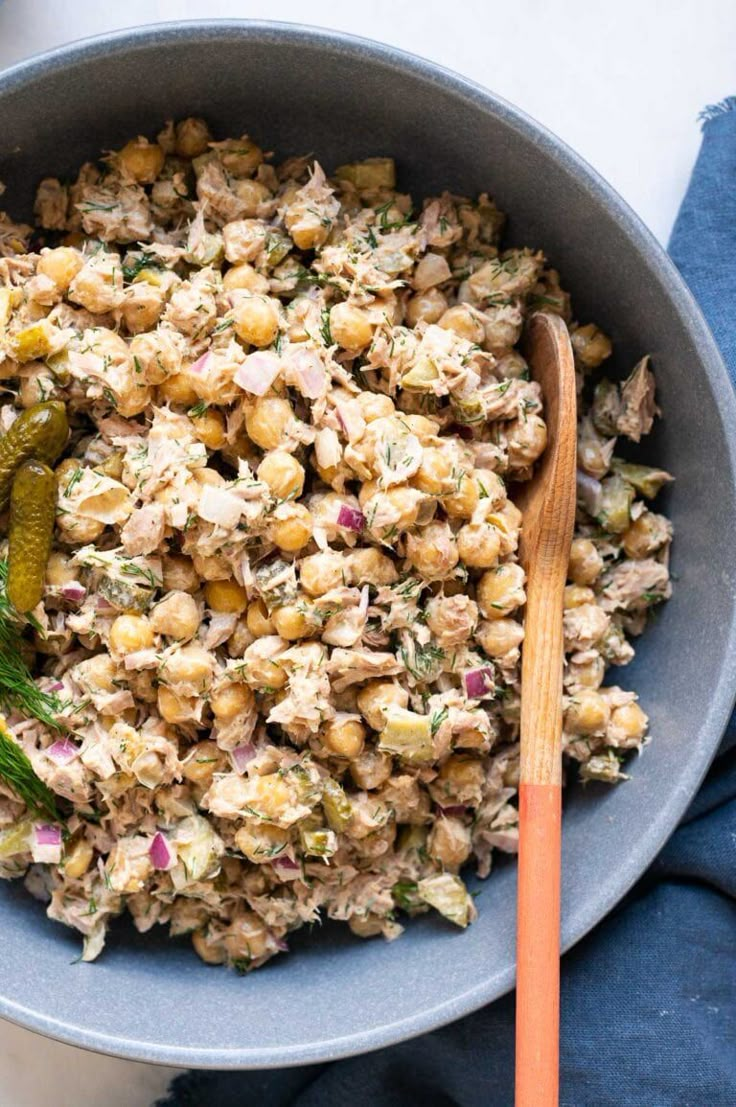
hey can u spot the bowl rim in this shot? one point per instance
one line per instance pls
(642, 241)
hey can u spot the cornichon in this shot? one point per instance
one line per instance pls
(41, 433)
(32, 510)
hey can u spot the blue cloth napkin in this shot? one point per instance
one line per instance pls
(649, 998)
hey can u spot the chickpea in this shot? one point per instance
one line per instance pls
(576, 595)
(425, 307)
(247, 937)
(59, 570)
(270, 796)
(479, 545)
(436, 472)
(209, 953)
(374, 699)
(78, 530)
(264, 674)
(212, 567)
(321, 572)
(78, 859)
(526, 440)
(350, 327)
(463, 323)
(344, 737)
(256, 320)
(425, 429)
(374, 405)
(591, 345)
(283, 474)
(60, 265)
(490, 487)
(97, 672)
(261, 842)
(191, 665)
(587, 713)
(646, 534)
(130, 633)
(461, 503)
(177, 389)
(209, 428)
(501, 591)
(449, 843)
(226, 596)
(245, 276)
(586, 564)
(141, 160)
(368, 565)
(266, 421)
(371, 768)
(179, 574)
(587, 674)
(460, 780)
(499, 636)
(192, 138)
(231, 700)
(177, 616)
(241, 157)
(291, 527)
(202, 761)
(433, 551)
(174, 708)
(291, 622)
(258, 620)
(508, 531)
(403, 500)
(628, 724)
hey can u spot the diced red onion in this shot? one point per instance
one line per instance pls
(62, 751)
(281, 944)
(589, 491)
(308, 373)
(160, 852)
(102, 604)
(350, 517)
(286, 864)
(258, 372)
(47, 834)
(241, 755)
(57, 686)
(73, 591)
(454, 809)
(46, 844)
(201, 365)
(478, 682)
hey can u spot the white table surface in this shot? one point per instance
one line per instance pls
(622, 83)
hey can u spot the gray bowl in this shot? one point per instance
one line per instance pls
(304, 90)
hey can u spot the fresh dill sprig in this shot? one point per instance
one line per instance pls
(18, 773)
(18, 690)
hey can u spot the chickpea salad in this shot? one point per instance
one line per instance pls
(261, 611)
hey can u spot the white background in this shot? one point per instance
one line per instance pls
(621, 82)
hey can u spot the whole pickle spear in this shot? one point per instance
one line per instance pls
(40, 432)
(32, 511)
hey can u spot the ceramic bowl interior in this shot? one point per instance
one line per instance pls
(296, 91)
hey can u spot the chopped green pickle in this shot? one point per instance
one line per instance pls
(41, 433)
(448, 895)
(32, 510)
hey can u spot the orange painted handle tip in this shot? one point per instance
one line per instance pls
(538, 946)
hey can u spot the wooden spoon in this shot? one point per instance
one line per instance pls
(548, 505)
